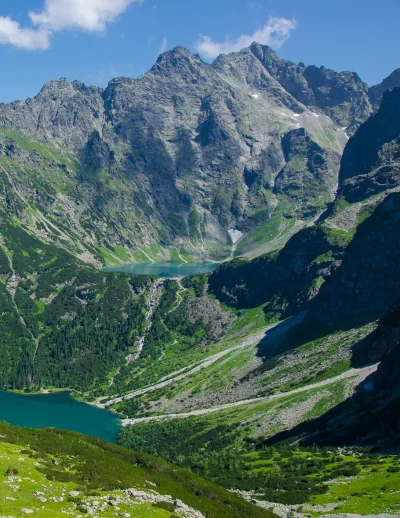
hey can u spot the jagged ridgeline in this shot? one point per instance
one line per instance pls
(164, 166)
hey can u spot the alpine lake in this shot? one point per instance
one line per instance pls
(59, 409)
(165, 270)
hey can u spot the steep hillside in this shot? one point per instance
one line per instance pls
(51, 473)
(66, 324)
(371, 417)
(374, 150)
(63, 323)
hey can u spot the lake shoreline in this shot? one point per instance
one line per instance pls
(41, 392)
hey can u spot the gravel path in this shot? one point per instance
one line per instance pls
(360, 374)
(251, 340)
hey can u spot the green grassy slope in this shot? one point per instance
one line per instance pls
(52, 463)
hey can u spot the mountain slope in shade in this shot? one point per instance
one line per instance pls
(376, 92)
(373, 154)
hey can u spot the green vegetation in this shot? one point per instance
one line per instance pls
(64, 324)
(283, 474)
(29, 144)
(83, 342)
(173, 337)
(194, 225)
(271, 234)
(52, 463)
(339, 237)
(236, 428)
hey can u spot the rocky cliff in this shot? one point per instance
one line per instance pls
(342, 96)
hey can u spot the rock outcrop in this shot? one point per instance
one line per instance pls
(343, 96)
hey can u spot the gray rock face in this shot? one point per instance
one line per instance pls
(63, 113)
(343, 96)
(209, 312)
(231, 140)
(308, 174)
(209, 128)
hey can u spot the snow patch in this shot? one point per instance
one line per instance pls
(315, 114)
(235, 235)
(256, 96)
(296, 115)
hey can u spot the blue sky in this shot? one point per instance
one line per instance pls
(95, 40)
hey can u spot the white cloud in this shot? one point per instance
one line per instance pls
(57, 15)
(164, 45)
(12, 33)
(274, 33)
(89, 15)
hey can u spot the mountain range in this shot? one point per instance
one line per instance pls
(165, 165)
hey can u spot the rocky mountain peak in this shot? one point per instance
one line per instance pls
(189, 135)
(118, 82)
(63, 87)
(343, 96)
(177, 60)
(56, 84)
(266, 54)
(63, 111)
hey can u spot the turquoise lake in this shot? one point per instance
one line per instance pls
(58, 410)
(166, 269)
